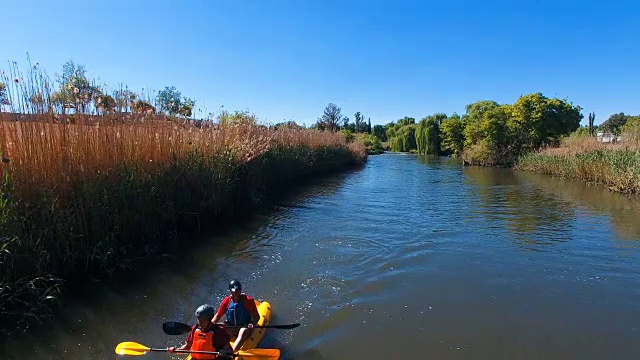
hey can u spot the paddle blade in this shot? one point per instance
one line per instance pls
(175, 328)
(285, 327)
(131, 348)
(262, 354)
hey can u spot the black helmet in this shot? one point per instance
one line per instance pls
(205, 311)
(235, 285)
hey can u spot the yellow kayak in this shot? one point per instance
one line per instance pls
(264, 309)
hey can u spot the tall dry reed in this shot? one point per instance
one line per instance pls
(615, 165)
(83, 195)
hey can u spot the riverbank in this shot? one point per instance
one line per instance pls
(85, 200)
(616, 166)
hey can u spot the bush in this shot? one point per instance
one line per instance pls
(371, 142)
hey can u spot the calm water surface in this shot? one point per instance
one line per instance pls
(409, 257)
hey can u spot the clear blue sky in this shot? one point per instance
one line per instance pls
(387, 59)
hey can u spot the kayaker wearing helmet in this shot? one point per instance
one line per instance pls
(240, 310)
(207, 336)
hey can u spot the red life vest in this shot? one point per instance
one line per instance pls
(203, 341)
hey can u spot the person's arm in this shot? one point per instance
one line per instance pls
(186, 345)
(221, 310)
(221, 342)
(225, 354)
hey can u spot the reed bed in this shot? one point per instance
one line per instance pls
(84, 195)
(616, 165)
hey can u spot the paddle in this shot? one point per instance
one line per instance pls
(176, 328)
(135, 349)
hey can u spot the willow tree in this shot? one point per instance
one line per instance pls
(401, 135)
(428, 134)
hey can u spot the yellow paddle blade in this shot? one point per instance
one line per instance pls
(263, 354)
(131, 348)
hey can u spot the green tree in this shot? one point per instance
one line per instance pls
(581, 132)
(142, 107)
(404, 140)
(288, 125)
(475, 111)
(372, 143)
(186, 107)
(380, 132)
(439, 117)
(631, 130)
(488, 140)
(495, 127)
(105, 103)
(348, 135)
(406, 121)
(451, 131)
(539, 120)
(614, 123)
(592, 119)
(346, 124)
(428, 135)
(331, 118)
(169, 100)
(238, 117)
(75, 89)
(358, 120)
(401, 135)
(471, 120)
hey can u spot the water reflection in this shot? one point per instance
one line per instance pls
(622, 210)
(267, 222)
(439, 160)
(532, 216)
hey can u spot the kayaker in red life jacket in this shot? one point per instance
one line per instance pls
(240, 310)
(207, 336)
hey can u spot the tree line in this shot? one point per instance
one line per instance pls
(333, 120)
(488, 133)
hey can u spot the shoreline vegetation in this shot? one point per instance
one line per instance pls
(616, 166)
(535, 133)
(92, 181)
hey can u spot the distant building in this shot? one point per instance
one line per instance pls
(607, 137)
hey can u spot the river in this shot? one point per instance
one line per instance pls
(409, 257)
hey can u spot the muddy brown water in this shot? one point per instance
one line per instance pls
(409, 257)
